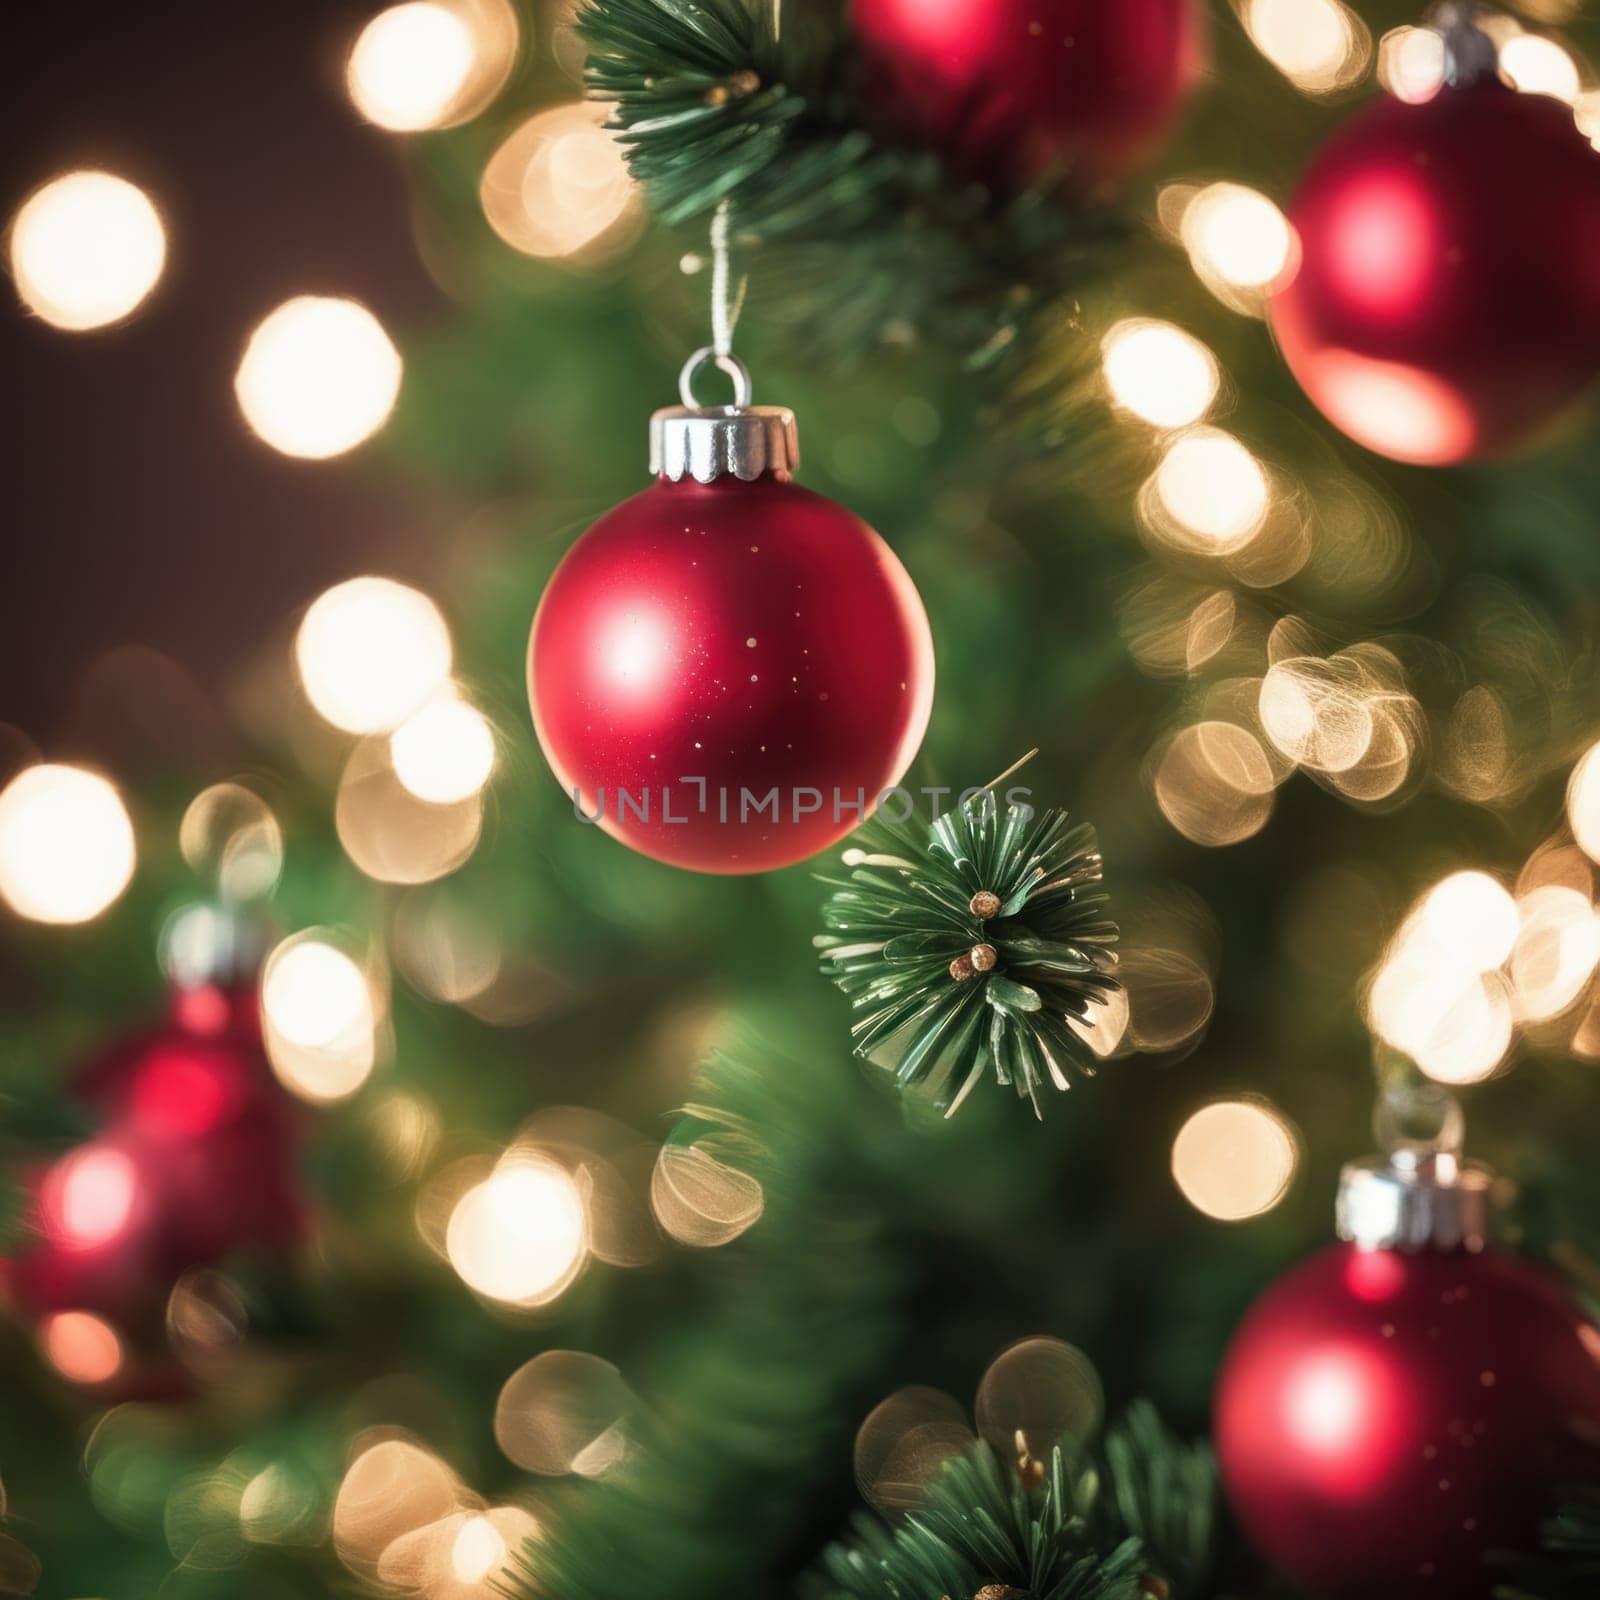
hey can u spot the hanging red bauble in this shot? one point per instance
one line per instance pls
(727, 670)
(1008, 89)
(1446, 306)
(1407, 1401)
(197, 1161)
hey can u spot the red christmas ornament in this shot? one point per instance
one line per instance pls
(727, 670)
(1007, 89)
(1407, 1401)
(197, 1160)
(1447, 302)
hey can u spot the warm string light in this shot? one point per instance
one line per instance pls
(404, 1520)
(86, 250)
(564, 1413)
(66, 844)
(1533, 64)
(1320, 46)
(318, 376)
(559, 188)
(444, 751)
(431, 63)
(1159, 373)
(82, 1347)
(1240, 245)
(1234, 1159)
(1412, 63)
(408, 66)
(1474, 962)
(319, 1019)
(520, 1236)
(371, 652)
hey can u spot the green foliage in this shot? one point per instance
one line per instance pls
(872, 241)
(1568, 1568)
(909, 935)
(1081, 1533)
(741, 1410)
(1164, 1493)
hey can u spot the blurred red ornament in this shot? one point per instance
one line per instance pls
(1008, 89)
(728, 668)
(197, 1161)
(1447, 302)
(1385, 1417)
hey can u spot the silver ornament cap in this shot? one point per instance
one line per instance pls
(705, 443)
(1421, 1194)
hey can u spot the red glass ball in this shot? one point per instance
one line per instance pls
(706, 652)
(1385, 1419)
(1447, 302)
(1007, 89)
(198, 1158)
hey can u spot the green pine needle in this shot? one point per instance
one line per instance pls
(907, 911)
(1568, 1568)
(1143, 1525)
(872, 241)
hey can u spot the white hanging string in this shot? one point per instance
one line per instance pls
(725, 307)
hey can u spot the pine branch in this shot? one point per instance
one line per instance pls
(872, 241)
(1568, 1568)
(736, 1428)
(1164, 1493)
(1144, 1527)
(970, 947)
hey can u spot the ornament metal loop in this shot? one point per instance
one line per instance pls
(710, 356)
(1402, 1106)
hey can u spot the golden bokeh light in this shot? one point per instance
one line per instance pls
(559, 187)
(1474, 756)
(206, 1314)
(1170, 997)
(318, 376)
(1471, 920)
(389, 833)
(1533, 64)
(82, 1347)
(1037, 1394)
(564, 1413)
(1234, 1159)
(444, 752)
(904, 1442)
(391, 1488)
(445, 950)
(701, 1201)
(1104, 1028)
(88, 1197)
(519, 1237)
(431, 63)
(1240, 244)
(319, 1019)
(1439, 994)
(1214, 784)
(1555, 954)
(1317, 712)
(1209, 494)
(230, 836)
(1161, 374)
(66, 844)
(1583, 803)
(1318, 45)
(1412, 63)
(371, 652)
(86, 249)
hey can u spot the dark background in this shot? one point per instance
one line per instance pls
(139, 510)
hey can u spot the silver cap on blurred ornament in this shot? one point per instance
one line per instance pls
(1421, 1195)
(708, 442)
